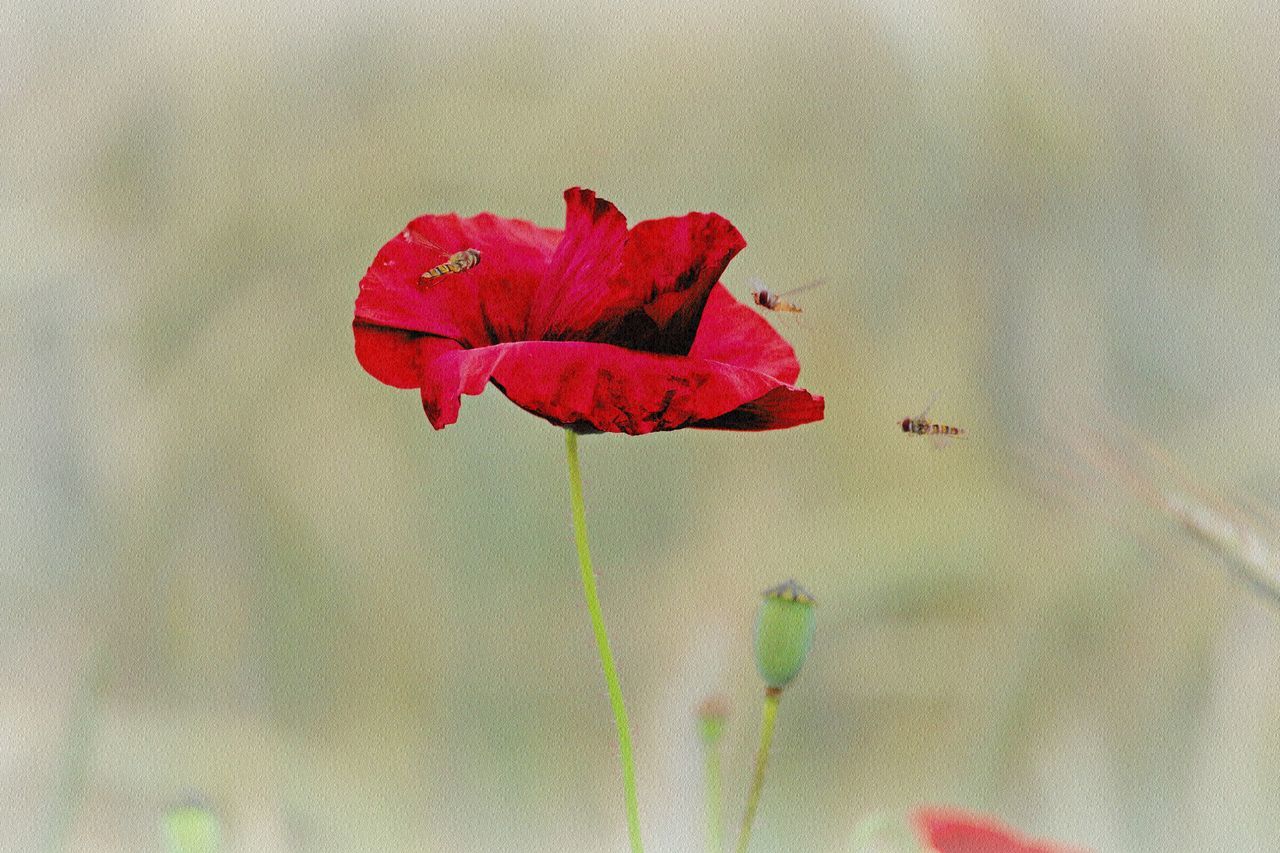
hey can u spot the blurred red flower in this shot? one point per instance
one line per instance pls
(954, 831)
(596, 328)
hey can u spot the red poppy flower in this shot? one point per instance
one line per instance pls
(598, 328)
(953, 831)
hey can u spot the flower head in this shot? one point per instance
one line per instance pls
(598, 328)
(954, 831)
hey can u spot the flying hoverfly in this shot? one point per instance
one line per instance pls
(921, 425)
(770, 301)
(457, 262)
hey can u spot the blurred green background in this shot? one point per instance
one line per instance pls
(232, 563)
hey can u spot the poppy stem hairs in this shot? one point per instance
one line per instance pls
(602, 642)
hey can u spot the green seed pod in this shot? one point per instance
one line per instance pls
(784, 633)
(193, 828)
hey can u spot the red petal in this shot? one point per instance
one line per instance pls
(672, 264)
(576, 295)
(605, 388)
(644, 289)
(783, 407)
(953, 831)
(735, 334)
(397, 357)
(483, 305)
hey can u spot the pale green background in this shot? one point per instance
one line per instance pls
(233, 563)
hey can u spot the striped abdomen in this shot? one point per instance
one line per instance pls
(458, 262)
(920, 426)
(941, 429)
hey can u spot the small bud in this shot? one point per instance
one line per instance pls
(712, 714)
(193, 827)
(784, 633)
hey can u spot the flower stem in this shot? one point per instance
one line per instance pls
(78, 751)
(771, 697)
(602, 642)
(711, 748)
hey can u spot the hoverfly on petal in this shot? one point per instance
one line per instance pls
(457, 262)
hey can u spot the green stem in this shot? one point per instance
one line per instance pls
(602, 642)
(715, 822)
(73, 773)
(771, 697)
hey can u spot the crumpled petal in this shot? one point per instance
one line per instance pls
(603, 388)
(643, 289)
(672, 264)
(954, 831)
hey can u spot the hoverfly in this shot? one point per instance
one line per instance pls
(770, 301)
(457, 262)
(921, 425)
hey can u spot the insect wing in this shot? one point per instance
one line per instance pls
(787, 294)
(415, 237)
(756, 286)
(929, 405)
